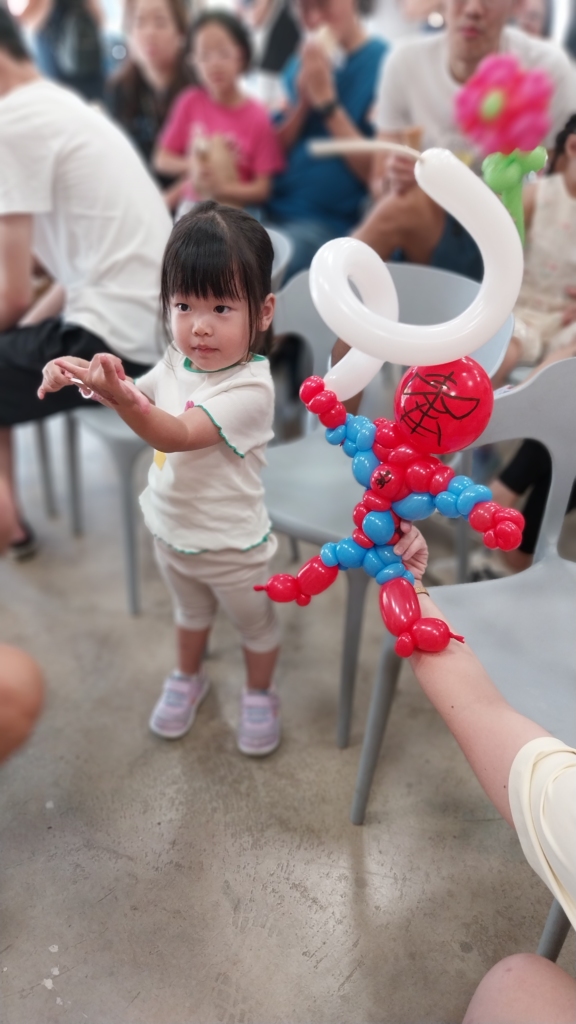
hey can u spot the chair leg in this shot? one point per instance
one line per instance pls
(555, 931)
(380, 704)
(125, 463)
(73, 481)
(357, 581)
(294, 549)
(45, 469)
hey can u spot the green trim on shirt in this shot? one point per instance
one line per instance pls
(208, 551)
(219, 428)
(192, 369)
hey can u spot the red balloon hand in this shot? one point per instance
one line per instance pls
(502, 527)
(323, 403)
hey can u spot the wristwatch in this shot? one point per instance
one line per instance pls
(327, 109)
(419, 588)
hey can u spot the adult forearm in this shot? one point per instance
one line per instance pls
(288, 131)
(488, 730)
(342, 127)
(169, 163)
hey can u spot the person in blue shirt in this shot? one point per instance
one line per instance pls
(331, 88)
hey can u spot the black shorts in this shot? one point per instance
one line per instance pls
(24, 351)
(532, 467)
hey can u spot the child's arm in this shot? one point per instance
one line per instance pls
(489, 731)
(243, 192)
(192, 430)
(174, 164)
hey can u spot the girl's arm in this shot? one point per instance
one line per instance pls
(489, 731)
(242, 192)
(174, 164)
(192, 430)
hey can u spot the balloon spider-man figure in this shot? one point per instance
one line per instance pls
(438, 409)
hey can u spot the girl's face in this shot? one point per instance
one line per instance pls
(217, 58)
(338, 15)
(154, 39)
(214, 333)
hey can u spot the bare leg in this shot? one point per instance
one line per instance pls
(10, 510)
(260, 667)
(508, 363)
(524, 989)
(409, 220)
(21, 694)
(191, 645)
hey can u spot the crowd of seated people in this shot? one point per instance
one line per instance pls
(180, 97)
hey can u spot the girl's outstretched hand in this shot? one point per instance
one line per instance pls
(413, 549)
(54, 379)
(104, 380)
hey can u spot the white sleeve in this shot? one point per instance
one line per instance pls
(391, 111)
(563, 103)
(243, 413)
(27, 176)
(542, 794)
(148, 381)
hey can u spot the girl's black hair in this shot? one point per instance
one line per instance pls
(232, 25)
(223, 252)
(560, 142)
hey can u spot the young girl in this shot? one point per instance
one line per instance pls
(545, 314)
(207, 409)
(218, 140)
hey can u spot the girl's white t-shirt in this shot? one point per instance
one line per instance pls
(213, 498)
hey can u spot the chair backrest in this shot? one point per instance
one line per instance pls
(544, 409)
(297, 314)
(282, 252)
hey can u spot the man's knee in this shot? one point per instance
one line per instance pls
(521, 988)
(21, 698)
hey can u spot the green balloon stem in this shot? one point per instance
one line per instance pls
(499, 166)
(512, 199)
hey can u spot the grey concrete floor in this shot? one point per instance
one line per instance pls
(180, 883)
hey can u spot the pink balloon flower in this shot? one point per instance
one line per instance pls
(503, 107)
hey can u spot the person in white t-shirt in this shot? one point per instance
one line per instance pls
(530, 777)
(207, 409)
(417, 90)
(74, 194)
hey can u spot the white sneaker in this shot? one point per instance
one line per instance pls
(178, 703)
(259, 726)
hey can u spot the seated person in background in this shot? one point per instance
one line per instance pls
(21, 684)
(74, 193)
(418, 87)
(545, 318)
(331, 89)
(530, 777)
(66, 41)
(221, 143)
(275, 37)
(535, 17)
(155, 71)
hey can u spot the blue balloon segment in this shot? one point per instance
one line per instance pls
(408, 576)
(328, 555)
(378, 526)
(350, 554)
(349, 448)
(363, 466)
(365, 438)
(352, 428)
(387, 556)
(459, 484)
(337, 435)
(472, 496)
(391, 572)
(372, 564)
(446, 503)
(414, 506)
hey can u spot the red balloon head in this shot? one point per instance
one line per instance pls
(444, 408)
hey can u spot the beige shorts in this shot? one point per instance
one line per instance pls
(540, 333)
(199, 583)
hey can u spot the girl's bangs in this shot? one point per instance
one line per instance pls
(207, 270)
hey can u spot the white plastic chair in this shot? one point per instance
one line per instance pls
(282, 246)
(521, 627)
(310, 490)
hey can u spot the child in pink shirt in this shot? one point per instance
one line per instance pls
(221, 52)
